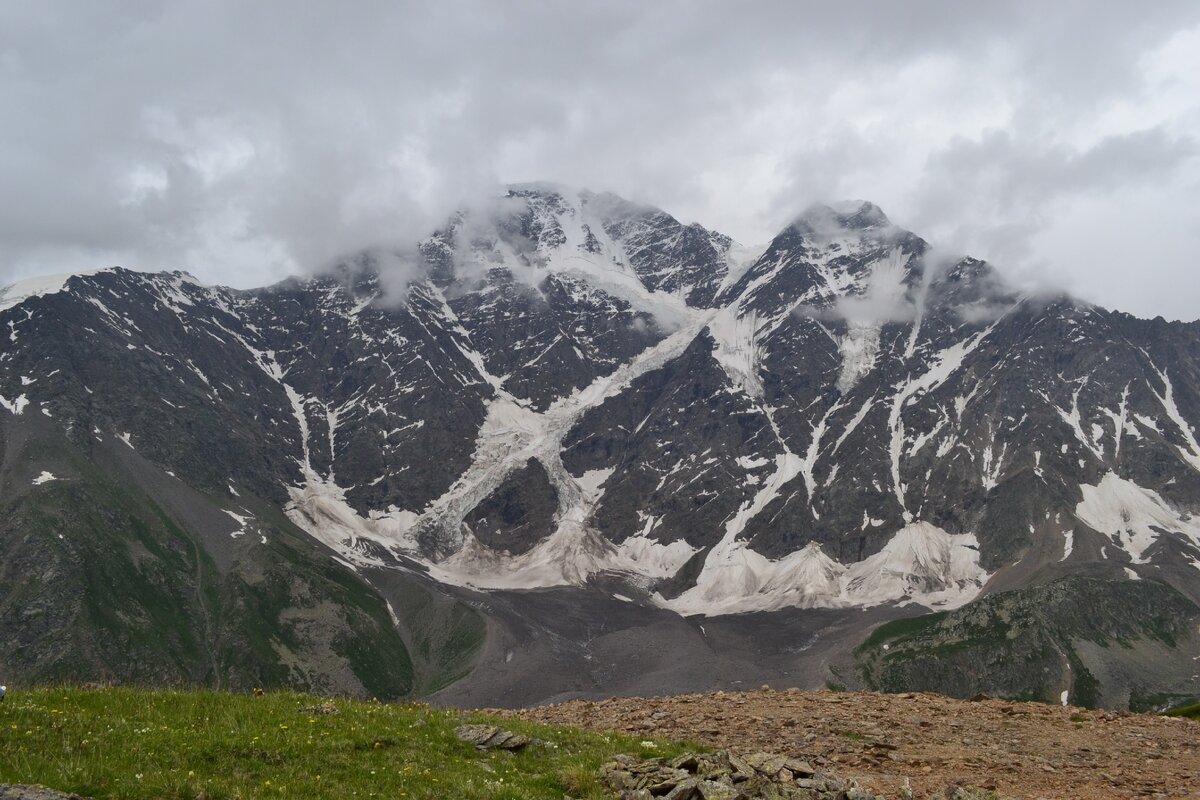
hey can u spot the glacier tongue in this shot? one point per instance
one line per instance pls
(511, 434)
(922, 563)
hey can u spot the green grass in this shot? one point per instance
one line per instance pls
(202, 745)
(1191, 712)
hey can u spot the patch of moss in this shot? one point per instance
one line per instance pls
(900, 629)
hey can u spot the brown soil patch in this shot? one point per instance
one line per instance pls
(1027, 750)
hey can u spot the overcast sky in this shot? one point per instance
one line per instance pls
(244, 141)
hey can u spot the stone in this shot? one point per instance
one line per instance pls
(666, 779)
(685, 790)
(714, 790)
(688, 761)
(16, 791)
(491, 737)
(766, 763)
(799, 768)
(723, 776)
(740, 766)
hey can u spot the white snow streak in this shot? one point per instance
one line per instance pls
(1190, 453)
(946, 364)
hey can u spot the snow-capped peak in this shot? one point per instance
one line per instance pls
(16, 293)
(843, 215)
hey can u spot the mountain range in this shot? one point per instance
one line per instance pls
(569, 446)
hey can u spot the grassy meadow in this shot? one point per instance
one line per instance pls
(203, 745)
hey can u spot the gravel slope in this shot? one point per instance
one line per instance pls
(1028, 750)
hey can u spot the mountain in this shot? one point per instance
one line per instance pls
(570, 445)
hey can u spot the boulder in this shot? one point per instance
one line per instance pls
(491, 737)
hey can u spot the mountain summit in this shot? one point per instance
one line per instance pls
(587, 442)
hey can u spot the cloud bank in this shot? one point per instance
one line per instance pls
(246, 142)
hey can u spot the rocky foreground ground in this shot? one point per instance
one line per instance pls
(926, 742)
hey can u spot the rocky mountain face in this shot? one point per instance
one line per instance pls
(367, 481)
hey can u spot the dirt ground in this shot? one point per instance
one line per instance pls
(1026, 750)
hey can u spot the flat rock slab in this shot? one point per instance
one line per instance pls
(490, 737)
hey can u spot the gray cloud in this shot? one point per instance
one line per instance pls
(994, 195)
(249, 141)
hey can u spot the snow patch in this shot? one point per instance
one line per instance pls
(16, 405)
(1133, 517)
(243, 522)
(592, 482)
(45, 477)
(752, 462)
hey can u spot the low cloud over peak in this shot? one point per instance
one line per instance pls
(248, 142)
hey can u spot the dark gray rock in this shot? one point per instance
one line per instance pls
(723, 776)
(519, 514)
(16, 791)
(490, 737)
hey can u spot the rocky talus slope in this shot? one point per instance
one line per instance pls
(926, 742)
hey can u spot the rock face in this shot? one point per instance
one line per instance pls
(576, 391)
(519, 513)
